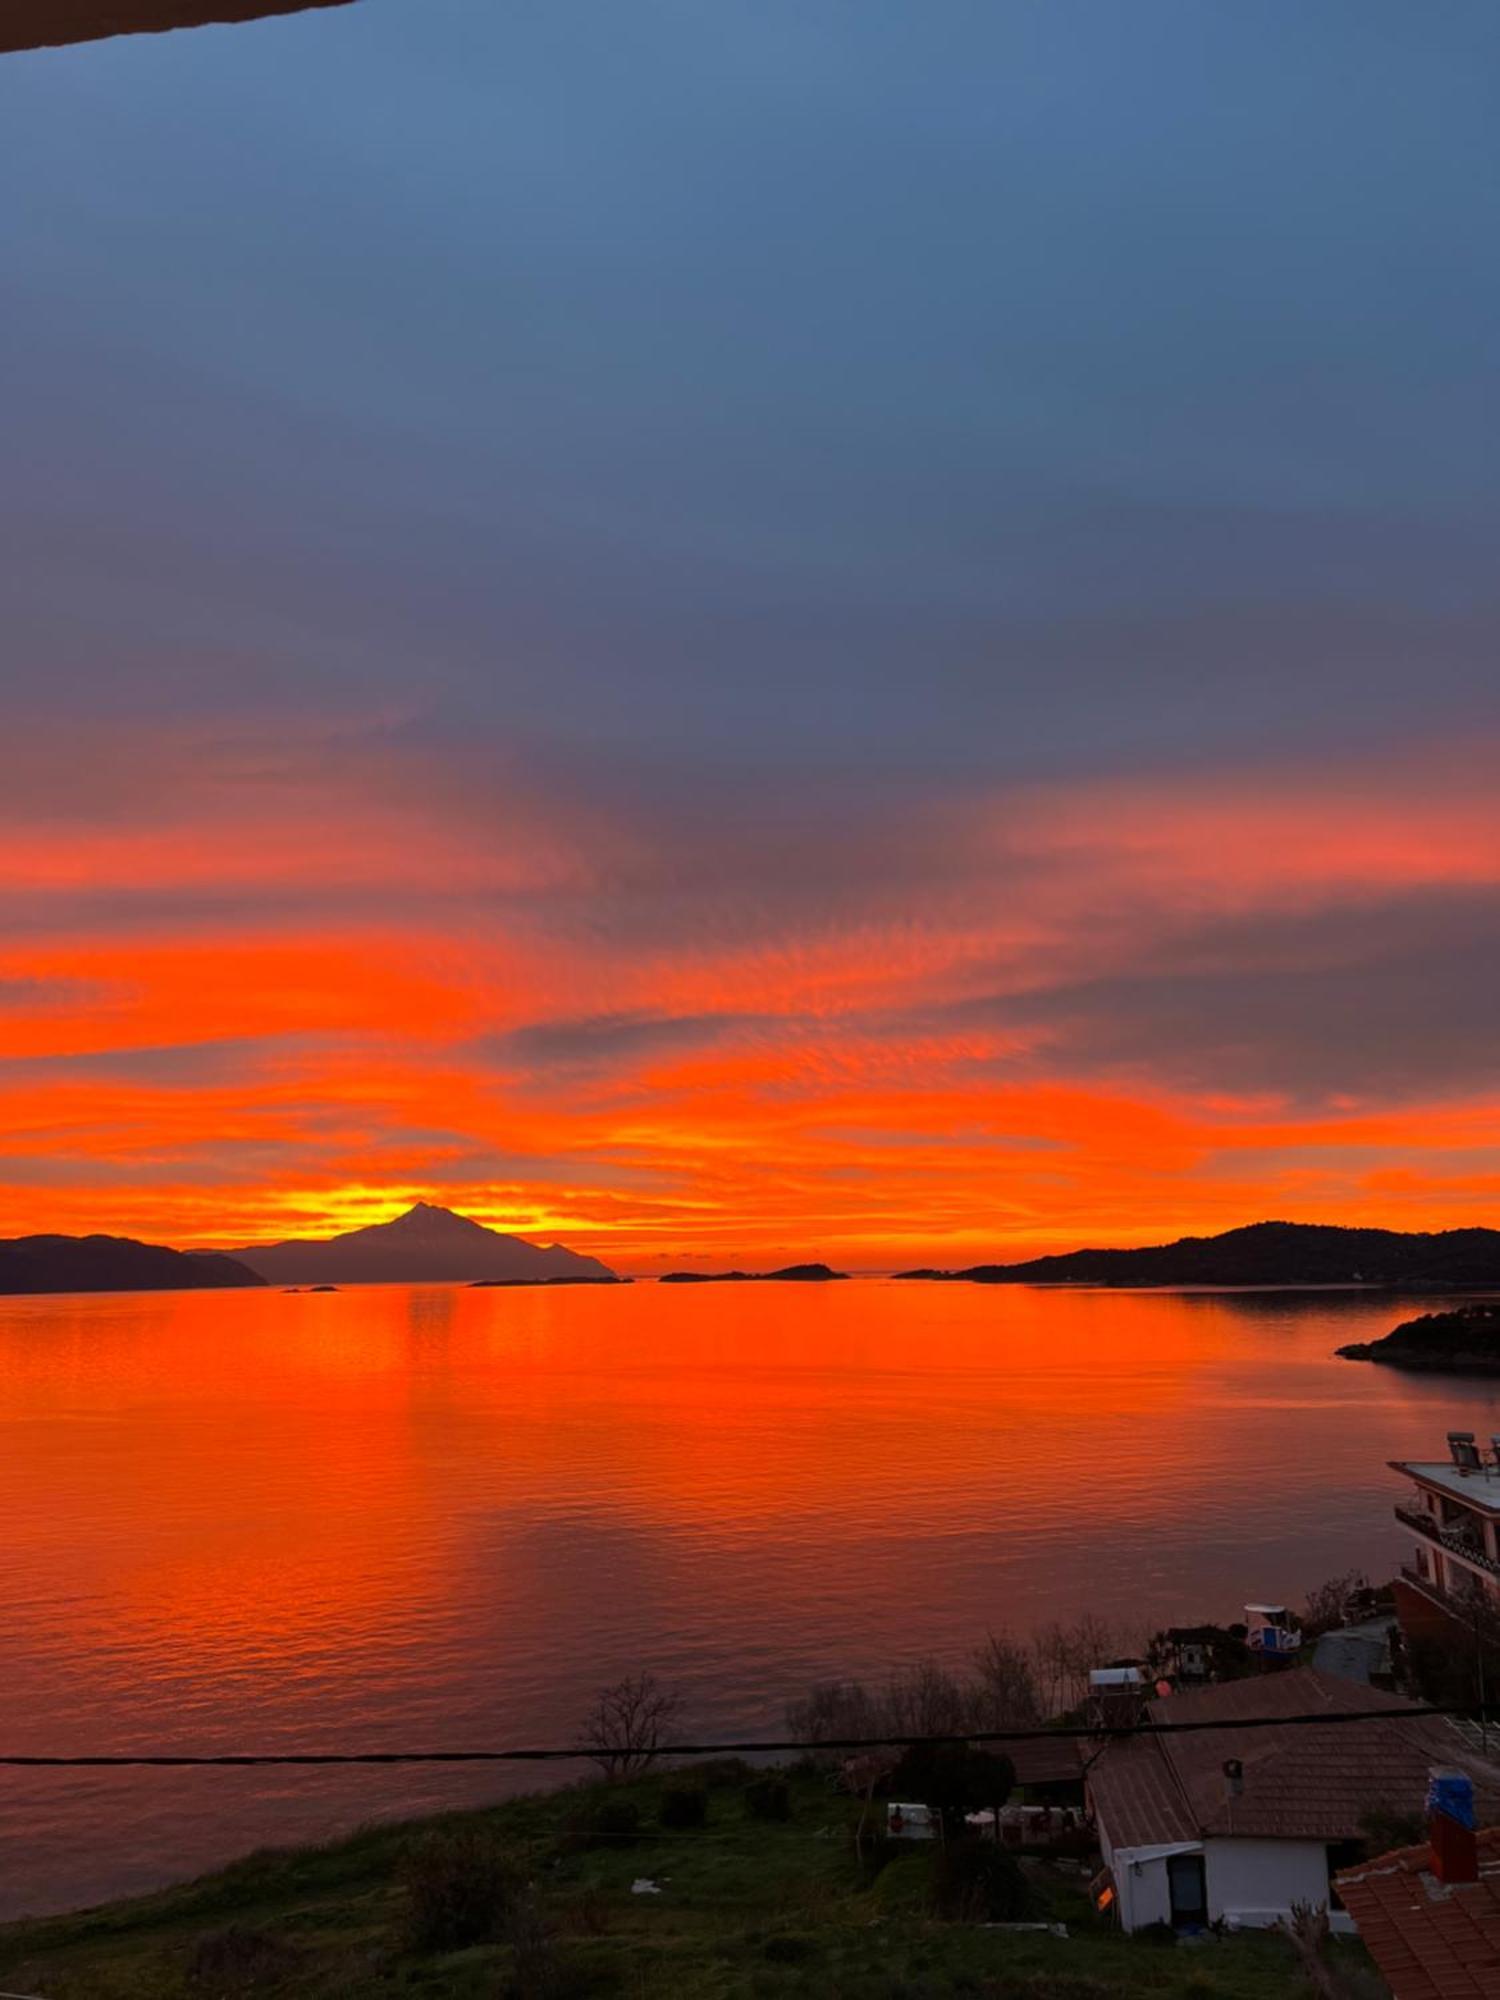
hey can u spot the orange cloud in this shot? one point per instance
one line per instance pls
(250, 990)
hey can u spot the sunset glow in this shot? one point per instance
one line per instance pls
(992, 1020)
(846, 650)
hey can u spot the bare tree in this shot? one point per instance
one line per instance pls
(926, 1700)
(859, 1776)
(1308, 1928)
(1064, 1655)
(625, 1730)
(1329, 1604)
(1004, 1688)
(835, 1712)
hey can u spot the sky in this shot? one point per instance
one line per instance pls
(822, 628)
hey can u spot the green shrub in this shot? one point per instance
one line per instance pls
(461, 1887)
(904, 1886)
(977, 1881)
(790, 1948)
(769, 1798)
(683, 1806)
(240, 1960)
(609, 1823)
(724, 1774)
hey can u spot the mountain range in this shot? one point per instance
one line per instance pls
(1269, 1253)
(112, 1264)
(426, 1245)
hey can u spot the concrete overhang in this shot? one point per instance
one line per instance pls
(43, 24)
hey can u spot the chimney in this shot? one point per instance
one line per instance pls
(1450, 1826)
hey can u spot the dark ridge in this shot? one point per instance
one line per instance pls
(1269, 1253)
(32, 1264)
(45, 24)
(1464, 1342)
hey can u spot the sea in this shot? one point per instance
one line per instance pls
(435, 1518)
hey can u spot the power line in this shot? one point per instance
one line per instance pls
(578, 1753)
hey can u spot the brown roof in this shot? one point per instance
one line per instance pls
(1301, 1782)
(1040, 1761)
(1431, 1940)
(36, 24)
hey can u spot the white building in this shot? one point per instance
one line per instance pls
(1238, 1823)
(1454, 1513)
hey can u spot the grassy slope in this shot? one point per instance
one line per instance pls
(748, 1908)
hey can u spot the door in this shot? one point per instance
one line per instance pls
(1187, 1886)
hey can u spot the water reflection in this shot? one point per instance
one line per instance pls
(356, 1517)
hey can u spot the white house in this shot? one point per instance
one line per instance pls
(1454, 1513)
(1238, 1823)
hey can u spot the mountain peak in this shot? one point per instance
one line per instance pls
(426, 1243)
(427, 1218)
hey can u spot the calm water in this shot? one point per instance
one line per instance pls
(440, 1517)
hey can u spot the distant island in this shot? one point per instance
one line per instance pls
(1466, 1342)
(797, 1274)
(35, 1264)
(427, 1245)
(1267, 1253)
(569, 1278)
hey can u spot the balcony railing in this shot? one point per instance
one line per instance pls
(1464, 1543)
(1458, 1604)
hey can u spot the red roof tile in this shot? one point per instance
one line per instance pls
(1431, 1940)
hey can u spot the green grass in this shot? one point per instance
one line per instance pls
(748, 1908)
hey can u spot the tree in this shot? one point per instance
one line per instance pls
(1329, 1605)
(953, 1780)
(1065, 1655)
(1005, 1689)
(625, 1730)
(835, 1712)
(926, 1700)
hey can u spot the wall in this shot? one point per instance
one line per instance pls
(1259, 1880)
(1251, 1882)
(1141, 1884)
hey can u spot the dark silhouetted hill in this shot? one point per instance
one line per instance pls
(1465, 1342)
(112, 1264)
(427, 1245)
(1269, 1253)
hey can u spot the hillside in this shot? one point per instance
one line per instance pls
(1268, 1253)
(1466, 1342)
(426, 1245)
(748, 1909)
(112, 1264)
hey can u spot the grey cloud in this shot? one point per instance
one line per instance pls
(1390, 1002)
(596, 1043)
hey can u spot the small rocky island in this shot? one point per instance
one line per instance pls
(1465, 1342)
(797, 1274)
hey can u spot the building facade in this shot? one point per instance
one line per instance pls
(1453, 1515)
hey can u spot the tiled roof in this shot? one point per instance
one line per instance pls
(1300, 1782)
(1431, 1940)
(1040, 1762)
(1136, 1798)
